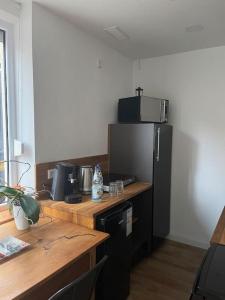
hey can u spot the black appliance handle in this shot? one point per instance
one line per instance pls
(127, 205)
(110, 216)
(158, 145)
(118, 211)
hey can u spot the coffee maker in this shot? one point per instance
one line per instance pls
(65, 185)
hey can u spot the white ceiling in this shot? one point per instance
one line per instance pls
(154, 27)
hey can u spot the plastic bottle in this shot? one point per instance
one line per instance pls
(97, 185)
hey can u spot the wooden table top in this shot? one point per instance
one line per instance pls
(55, 244)
(218, 236)
(88, 208)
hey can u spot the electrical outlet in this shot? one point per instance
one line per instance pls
(50, 173)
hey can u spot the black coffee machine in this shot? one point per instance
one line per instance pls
(65, 185)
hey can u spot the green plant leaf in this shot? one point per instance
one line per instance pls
(9, 192)
(31, 208)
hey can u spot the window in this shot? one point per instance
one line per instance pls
(4, 143)
(7, 103)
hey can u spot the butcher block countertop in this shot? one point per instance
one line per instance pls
(55, 246)
(219, 233)
(84, 213)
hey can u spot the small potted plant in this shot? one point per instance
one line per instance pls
(23, 206)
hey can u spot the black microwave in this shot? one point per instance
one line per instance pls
(143, 109)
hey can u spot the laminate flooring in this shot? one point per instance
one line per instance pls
(168, 274)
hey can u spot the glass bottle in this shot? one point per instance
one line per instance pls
(97, 185)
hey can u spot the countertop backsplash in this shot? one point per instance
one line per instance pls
(42, 181)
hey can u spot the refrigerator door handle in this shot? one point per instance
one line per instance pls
(158, 145)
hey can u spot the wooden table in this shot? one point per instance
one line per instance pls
(218, 236)
(84, 213)
(59, 252)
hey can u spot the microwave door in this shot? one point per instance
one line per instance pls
(150, 109)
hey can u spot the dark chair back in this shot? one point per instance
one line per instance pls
(82, 287)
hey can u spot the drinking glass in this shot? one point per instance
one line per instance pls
(113, 189)
(120, 187)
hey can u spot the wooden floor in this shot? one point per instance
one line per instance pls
(168, 274)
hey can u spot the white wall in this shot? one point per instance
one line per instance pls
(74, 100)
(9, 7)
(195, 84)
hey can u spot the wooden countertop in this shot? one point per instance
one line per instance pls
(55, 244)
(218, 236)
(84, 213)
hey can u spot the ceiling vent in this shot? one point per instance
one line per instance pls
(117, 33)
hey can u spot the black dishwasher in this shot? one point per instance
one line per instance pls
(114, 281)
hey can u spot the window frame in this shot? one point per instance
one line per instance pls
(10, 28)
(10, 25)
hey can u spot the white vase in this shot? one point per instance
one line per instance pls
(20, 218)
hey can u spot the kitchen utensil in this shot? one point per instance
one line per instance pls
(86, 176)
(65, 181)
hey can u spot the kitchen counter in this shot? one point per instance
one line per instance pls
(84, 213)
(59, 252)
(218, 236)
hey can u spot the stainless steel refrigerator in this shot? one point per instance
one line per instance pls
(144, 150)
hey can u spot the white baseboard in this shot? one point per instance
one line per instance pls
(188, 241)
